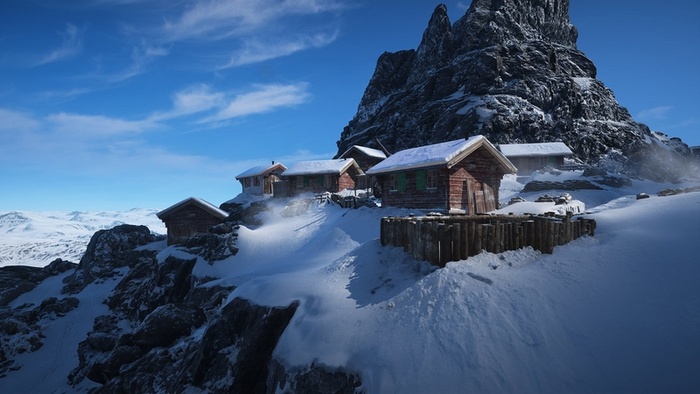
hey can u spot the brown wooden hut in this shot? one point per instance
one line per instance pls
(259, 180)
(366, 158)
(189, 217)
(318, 176)
(532, 157)
(461, 176)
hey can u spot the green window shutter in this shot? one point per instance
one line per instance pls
(420, 180)
(401, 180)
(307, 181)
(319, 180)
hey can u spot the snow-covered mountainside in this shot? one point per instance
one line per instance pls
(509, 70)
(313, 303)
(37, 238)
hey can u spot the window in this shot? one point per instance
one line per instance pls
(257, 181)
(246, 182)
(300, 182)
(327, 181)
(397, 182)
(432, 179)
(420, 180)
(319, 180)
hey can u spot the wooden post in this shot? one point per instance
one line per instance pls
(549, 248)
(382, 231)
(457, 242)
(445, 240)
(432, 249)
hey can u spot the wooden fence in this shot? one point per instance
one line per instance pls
(439, 239)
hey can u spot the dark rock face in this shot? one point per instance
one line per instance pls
(510, 70)
(167, 329)
(21, 329)
(108, 250)
(313, 379)
(16, 280)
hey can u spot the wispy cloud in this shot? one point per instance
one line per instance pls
(15, 121)
(655, 113)
(248, 31)
(221, 19)
(95, 126)
(141, 56)
(71, 45)
(256, 50)
(264, 98)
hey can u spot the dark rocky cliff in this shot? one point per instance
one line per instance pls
(510, 70)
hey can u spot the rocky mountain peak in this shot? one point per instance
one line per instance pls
(494, 22)
(509, 70)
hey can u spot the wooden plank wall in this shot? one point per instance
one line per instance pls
(441, 239)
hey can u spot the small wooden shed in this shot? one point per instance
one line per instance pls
(461, 176)
(366, 158)
(189, 217)
(532, 157)
(259, 180)
(318, 176)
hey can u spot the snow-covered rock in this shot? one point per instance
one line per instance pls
(509, 70)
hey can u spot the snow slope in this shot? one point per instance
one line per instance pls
(618, 312)
(37, 238)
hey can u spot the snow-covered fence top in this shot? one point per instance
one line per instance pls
(440, 239)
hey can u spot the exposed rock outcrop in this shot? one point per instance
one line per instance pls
(510, 70)
(18, 279)
(108, 250)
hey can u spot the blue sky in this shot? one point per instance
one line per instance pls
(117, 104)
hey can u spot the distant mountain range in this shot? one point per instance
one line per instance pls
(509, 70)
(37, 238)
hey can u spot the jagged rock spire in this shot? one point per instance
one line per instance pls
(507, 69)
(495, 22)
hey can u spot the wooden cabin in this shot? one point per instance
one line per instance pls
(259, 180)
(529, 158)
(189, 217)
(318, 176)
(461, 176)
(366, 158)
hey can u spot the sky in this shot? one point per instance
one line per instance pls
(120, 104)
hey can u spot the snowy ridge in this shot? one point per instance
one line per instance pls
(617, 312)
(37, 238)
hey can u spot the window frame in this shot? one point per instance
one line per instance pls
(431, 179)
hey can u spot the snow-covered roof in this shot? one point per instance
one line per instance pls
(441, 154)
(260, 170)
(371, 152)
(318, 167)
(206, 206)
(538, 149)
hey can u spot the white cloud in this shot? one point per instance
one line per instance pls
(96, 126)
(192, 100)
(255, 50)
(264, 99)
(221, 19)
(656, 113)
(141, 57)
(70, 46)
(14, 121)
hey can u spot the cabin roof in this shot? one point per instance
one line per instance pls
(204, 205)
(442, 154)
(536, 149)
(319, 167)
(371, 152)
(260, 170)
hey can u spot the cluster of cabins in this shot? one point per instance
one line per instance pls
(460, 176)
